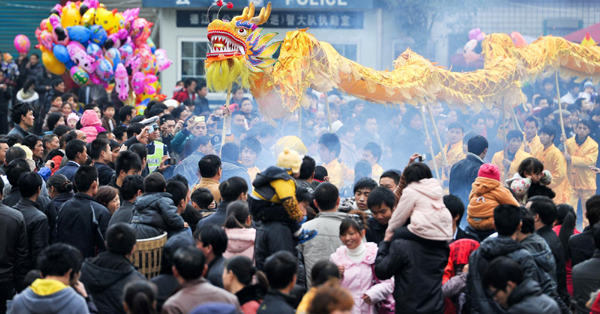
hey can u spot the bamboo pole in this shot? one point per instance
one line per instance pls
(437, 135)
(300, 122)
(226, 118)
(328, 112)
(505, 152)
(516, 121)
(560, 114)
(437, 172)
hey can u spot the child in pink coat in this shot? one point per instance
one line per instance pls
(91, 125)
(356, 260)
(239, 232)
(422, 201)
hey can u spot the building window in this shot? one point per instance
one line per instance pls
(193, 55)
(348, 51)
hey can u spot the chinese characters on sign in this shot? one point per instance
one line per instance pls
(282, 19)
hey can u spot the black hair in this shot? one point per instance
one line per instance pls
(592, 206)
(84, 177)
(53, 97)
(67, 137)
(356, 220)
(545, 208)
(331, 142)
(320, 173)
(307, 169)
(477, 144)
(178, 191)
(527, 221)
(475, 119)
(539, 99)
(13, 153)
(514, 134)
(28, 83)
(119, 131)
(53, 120)
(232, 188)
(126, 161)
(97, 147)
(131, 185)
(537, 189)
(456, 125)
(230, 152)
(392, 174)
(548, 129)
(202, 197)
(237, 214)
(365, 183)
(374, 149)
(212, 235)
(140, 149)
(280, 269)
(61, 130)
(165, 118)
(597, 238)
(586, 123)
(73, 148)
(120, 239)
(510, 270)
(561, 212)
(140, 296)
(134, 128)
(20, 110)
(381, 195)
(530, 165)
(188, 82)
(154, 182)
(15, 169)
(243, 269)
(13, 139)
(196, 142)
(189, 262)
(455, 205)
(507, 219)
(534, 120)
(326, 195)
(323, 271)
(30, 141)
(126, 111)
(103, 136)
(251, 143)
(416, 172)
(137, 119)
(209, 166)
(29, 183)
(58, 259)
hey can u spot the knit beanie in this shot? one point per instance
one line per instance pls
(72, 116)
(289, 159)
(489, 171)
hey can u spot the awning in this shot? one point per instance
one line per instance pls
(579, 35)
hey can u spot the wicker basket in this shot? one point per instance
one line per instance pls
(147, 256)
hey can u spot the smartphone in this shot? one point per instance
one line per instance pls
(420, 159)
(216, 118)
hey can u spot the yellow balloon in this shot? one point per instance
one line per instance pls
(52, 64)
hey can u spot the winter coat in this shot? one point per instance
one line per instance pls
(123, 214)
(154, 214)
(189, 168)
(106, 123)
(276, 302)
(214, 273)
(240, 241)
(195, 292)
(271, 237)
(234, 169)
(558, 252)
(358, 278)
(527, 298)
(91, 125)
(423, 202)
(581, 246)
(46, 206)
(417, 266)
(47, 296)
(486, 194)
(105, 278)
(68, 170)
(462, 176)
(18, 130)
(181, 138)
(13, 240)
(82, 223)
(376, 231)
(60, 199)
(586, 279)
(105, 173)
(37, 230)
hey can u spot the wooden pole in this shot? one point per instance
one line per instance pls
(300, 122)
(226, 118)
(504, 173)
(437, 172)
(516, 121)
(437, 135)
(328, 113)
(560, 114)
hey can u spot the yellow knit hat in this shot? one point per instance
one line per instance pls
(289, 159)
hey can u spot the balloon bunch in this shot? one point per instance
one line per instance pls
(472, 50)
(98, 46)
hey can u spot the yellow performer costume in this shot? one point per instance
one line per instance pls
(454, 153)
(535, 146)
(583, 181)
(514, 164)
(554, 161)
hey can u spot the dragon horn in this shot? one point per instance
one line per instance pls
(246, 14)
(265, 12)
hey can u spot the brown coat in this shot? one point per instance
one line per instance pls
(486, 194)
(106, 125)
(196, 292)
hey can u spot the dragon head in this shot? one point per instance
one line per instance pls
(238, 49)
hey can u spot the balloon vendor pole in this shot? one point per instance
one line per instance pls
(300, 122)
(226, 118)
(560, 113)
(437, 136)
(437, 172)
(328, 113)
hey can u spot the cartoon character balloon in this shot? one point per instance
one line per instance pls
(79, 75)
(70, 15)
(80, 57)
(121, 82)
(162, 62)
(22, 43)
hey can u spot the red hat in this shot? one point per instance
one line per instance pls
(489, 171)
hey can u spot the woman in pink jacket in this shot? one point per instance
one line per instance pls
(356, 260)
(91, 125)
(240, 234)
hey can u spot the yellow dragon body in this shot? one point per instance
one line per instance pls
(241, 54)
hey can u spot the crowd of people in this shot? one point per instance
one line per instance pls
(309, 214)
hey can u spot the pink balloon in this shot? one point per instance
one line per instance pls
(22, 43)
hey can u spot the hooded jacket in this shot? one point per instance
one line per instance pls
(486, 194)
(527, 298)
(46, 296)
(91, 125)
(154, 214)
(105, 278)
(240, 241)
(423, 202)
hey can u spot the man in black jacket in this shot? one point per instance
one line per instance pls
(518, 295)
(544, 214)
(464, 172)
(212, 240)
(507, 220)
(30, 184)
(233, 189)
(13, 255)
(101, 155)
(381, 202)
(581, 246)
(281, 270)
(106, 275)
(586, 277)
(82, 221)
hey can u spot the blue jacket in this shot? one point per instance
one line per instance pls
(105, 173)
(68, 170)
(188, 168)
(462, 176)
(230, 169)
(178, 142)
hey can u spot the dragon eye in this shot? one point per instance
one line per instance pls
(242, 31)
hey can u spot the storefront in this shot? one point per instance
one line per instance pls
(353, 27)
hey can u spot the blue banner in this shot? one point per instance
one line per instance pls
(277, 4)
